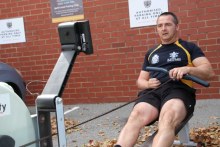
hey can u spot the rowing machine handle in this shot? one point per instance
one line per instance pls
(186, 77)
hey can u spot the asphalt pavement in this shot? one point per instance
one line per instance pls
(109, 126)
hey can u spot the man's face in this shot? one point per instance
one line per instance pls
(167, 29)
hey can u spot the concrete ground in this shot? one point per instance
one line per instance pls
(109, 126)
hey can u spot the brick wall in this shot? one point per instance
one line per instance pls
(109, 75)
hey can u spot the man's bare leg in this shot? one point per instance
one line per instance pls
(142, 114)
(173, 112)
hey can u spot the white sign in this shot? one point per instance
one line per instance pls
(12, 31)
(66, 10)
(5, 108)
(145, 12)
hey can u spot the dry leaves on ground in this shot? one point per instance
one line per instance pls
(68, 124)
(209, 137)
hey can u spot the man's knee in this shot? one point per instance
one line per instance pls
(170, 119)
(135, 116)
(144, 113)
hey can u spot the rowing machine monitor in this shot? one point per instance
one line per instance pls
(76, 35)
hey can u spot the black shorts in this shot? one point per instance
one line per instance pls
(158, 97)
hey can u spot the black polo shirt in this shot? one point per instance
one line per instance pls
(168, 56)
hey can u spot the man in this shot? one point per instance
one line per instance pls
(173, 101)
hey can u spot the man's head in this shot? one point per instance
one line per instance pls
(167, 27)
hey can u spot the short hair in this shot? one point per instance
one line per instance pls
(175, 19)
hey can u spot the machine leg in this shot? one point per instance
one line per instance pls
(60, 122)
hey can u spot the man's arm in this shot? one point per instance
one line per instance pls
(201, 69)
(144, 81)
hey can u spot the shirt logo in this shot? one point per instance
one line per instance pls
(173, 57)
(155, 59)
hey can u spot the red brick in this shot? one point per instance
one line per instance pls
(213, 22)
(204, 4)
(208, 42)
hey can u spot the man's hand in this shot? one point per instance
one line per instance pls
(179, 72)
(153, 83)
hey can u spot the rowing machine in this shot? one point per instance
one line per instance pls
(17, 126)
